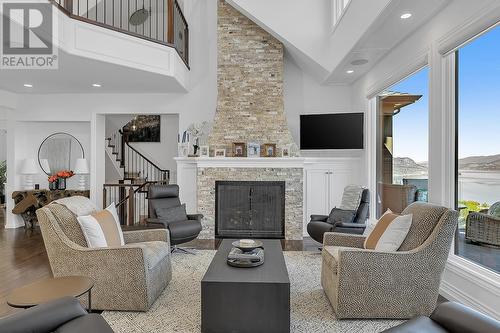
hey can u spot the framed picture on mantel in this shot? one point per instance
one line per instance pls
(269, 150)
(239, 149)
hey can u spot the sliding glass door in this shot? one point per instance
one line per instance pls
(478, 150)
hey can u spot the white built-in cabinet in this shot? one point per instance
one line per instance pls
(324, 182)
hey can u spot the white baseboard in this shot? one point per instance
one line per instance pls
(471, 285)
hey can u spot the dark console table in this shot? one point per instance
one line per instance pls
(27, 202)
(246, 299)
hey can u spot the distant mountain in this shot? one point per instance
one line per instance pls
(407, 166)
(480, 163)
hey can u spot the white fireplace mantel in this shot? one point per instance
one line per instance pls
(243, 162)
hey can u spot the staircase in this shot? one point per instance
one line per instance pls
(138, 172)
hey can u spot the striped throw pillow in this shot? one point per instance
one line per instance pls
(389, 232)
(102, 229)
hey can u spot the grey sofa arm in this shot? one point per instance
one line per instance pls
(147, 235)
(321, 218)
(351, 225)
(455, 317)
(344, 240)
(43, 318)
(196, 217)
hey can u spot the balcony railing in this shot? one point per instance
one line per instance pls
(159, 21)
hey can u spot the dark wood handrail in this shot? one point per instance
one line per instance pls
(66, 6)
(141, 155)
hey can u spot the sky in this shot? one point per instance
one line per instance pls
(479, 103)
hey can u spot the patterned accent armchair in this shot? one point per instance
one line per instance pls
(373, 284)
(127, 278)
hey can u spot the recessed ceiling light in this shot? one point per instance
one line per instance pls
(27, 85)
(405, 16)
(350, 71)
(96, 85)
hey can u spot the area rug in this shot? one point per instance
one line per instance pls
(178, 308)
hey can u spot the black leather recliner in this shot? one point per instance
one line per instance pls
(319, 224)
(449, 317)
(65, 315)
(167, 196)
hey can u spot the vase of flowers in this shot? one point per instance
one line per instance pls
(61, 178)
(53, 183)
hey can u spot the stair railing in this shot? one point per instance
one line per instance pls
(159, 21)
(130, 200)
(135, 163)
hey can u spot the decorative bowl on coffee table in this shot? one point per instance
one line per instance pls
(246, 245)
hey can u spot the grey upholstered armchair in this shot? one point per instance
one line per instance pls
(372, 284)
(183, 231)
(128, 277)
(320, 224)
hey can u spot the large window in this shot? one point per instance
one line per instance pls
(478, 150)
(402, 143)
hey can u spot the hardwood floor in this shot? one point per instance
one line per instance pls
(23, 261)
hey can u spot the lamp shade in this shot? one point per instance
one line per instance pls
(29, 167)
(81, 167)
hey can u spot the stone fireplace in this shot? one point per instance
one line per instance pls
(291, 177)
(249, 209)
(250, 108)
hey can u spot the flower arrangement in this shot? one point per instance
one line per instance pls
(58, 181)
(65, 174)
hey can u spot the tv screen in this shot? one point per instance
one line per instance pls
(331, 131)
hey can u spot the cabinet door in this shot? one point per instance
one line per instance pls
(339, 178)
(317, 193)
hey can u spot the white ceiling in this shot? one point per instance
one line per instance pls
(388, 31)
(77, 74)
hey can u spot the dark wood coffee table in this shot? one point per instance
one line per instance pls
(46, 290)
(244, 300)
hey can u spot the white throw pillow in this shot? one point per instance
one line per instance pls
(79, 205)
(389, 232)
(102, 229)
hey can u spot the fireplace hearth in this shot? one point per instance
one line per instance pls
(253, 209)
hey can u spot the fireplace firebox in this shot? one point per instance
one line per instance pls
(253, 209)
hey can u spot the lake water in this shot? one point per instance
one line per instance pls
(483, 187)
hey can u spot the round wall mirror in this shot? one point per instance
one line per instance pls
(59, 151)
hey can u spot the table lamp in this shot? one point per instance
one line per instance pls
(81, 169)
(28, 169)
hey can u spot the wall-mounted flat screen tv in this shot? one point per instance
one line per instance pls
(331, 131)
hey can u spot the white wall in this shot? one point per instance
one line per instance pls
(3, 140)
(303, 94)
(29, 136)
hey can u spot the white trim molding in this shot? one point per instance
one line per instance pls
(472, 285)
(484, 19)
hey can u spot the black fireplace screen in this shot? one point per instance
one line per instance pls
(249, 209)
